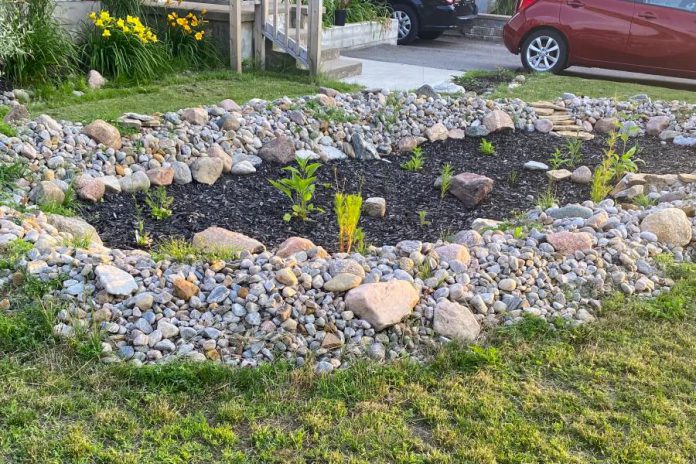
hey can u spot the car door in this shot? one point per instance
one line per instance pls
(663, 36)
(598, 30)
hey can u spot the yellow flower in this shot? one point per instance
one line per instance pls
(99, 23)
(120, 23)
(104, 15)
(199, 35)
(187, 28)
(93, 16)
(106, 33)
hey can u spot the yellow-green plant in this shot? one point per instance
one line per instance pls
(486, 147)
(299, 188)
(601, 181)
(416, 162)
(187, 41)
(616, 163)
(446, 176)
(421, 218)
(347, 208)
(160, 203)
(361, 245)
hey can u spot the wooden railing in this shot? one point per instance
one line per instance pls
(290, 25)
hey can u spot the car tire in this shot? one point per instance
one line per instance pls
(429, 35)
(544, 51)
(408, 23)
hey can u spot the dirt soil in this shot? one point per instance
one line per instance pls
(250, 205)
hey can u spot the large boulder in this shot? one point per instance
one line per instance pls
(47, 192)
(471, 189)
(75, 226)
(382, 304)
(182, 173)
(455, 321)
(216, 151)
(196, 116)
(436, 132)
(161, 176)
(498, 120)
(95, 80)
(102, 132)
(656, 125)
(215, 239)
(606, 125)
(294, 245)
(115, 281)
(136, 182)
(454, 252)
(279, 150)
(670, 225)
(90, 189)
(567, 243)
(207, 170)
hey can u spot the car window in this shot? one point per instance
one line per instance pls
(686, 5)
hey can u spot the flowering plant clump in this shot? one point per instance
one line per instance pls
(188, 42)
(129, 26)
(124, 48)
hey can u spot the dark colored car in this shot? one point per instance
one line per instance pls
(648, 36)
(428, 19)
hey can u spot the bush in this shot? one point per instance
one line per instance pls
(504, 7)
(188, 43)
(357, 11)
(123, 49)
(34, 48)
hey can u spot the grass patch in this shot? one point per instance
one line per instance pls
(549, 87)
(618, 390)
(173, 92)
(67, 208)
(181, 250)
(5, 128)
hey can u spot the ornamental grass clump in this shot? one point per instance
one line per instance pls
(123, 48)
(348, 208)
(188, 43)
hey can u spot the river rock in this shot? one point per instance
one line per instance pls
(382, 304)
(452, 320)
(670, 225)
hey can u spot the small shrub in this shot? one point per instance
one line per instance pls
(546, 199)
(159, 203)
(574, 150)
(446, 176)
(486, 147)
(187, 42)
(557, 160)
(644, 201)
(416, 162)
(123, 49)
(299, 188)
(422, 218)
(616, 163)
(181, 250)
(347, 208)
(361, 245)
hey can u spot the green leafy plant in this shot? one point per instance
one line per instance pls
(299, 188)
(644, 201)
(416, 162)
(519, 226)
(446, 176)
(361, 245)
(67, 207)
(181, 250)
(358, 12)
(187, 42)
(547, 199)
(123, 48)
(38, 48)
(504, 7)
(79, 241)
(422, 218)
(347, 208)
(557, 160)
(11, 173)
(13, 252)
(142, 237)
(425, 270)
(159, 202)
(617, 161)
(574, 151)
(513, 178)
(601, 180)
(486, 147)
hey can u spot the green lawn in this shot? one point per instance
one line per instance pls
(618, 391)
(549, 87)
(174, 92)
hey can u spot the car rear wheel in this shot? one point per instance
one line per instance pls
(408, 24)
(429, 35)
(544, 51)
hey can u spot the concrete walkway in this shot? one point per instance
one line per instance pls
(398, 76)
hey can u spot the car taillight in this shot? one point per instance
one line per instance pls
(524, 4)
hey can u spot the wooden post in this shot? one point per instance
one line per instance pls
(298, 25)
(314, 36)
(260, 14)
(236, 35)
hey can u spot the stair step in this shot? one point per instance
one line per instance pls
(328, 54)
(576, 135)
(341, 67)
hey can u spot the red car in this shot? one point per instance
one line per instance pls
(647, 36)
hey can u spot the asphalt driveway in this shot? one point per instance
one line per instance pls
(455, 53)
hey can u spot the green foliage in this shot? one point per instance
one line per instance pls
(570, 157)
(329, 113)
(299, 188)
(486, 147)
(361, 245)
(480, 80)
(446, 176)
(513, 178)
(644, 201)
(5, 129)
(425, 270)
(546, 199)
(504, 7)
(13, 252)
(45, 51)
(159, 203)
(182, 251)
(188, 44)
(78, 241)
(416, 162)
(27, 328)
(347, 209)
(557, 160)
(519, 226)
(123, 8)
(67, 208)
(616, 163)
(11, 173)
(422, 218)
(123, 56)
(358, 11)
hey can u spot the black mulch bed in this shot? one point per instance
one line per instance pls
(249, 204)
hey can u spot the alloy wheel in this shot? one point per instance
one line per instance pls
(404, 23)
(543, 53)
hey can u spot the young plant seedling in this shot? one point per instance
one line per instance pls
(421, 218)
(546, 199)
(347, 208)
(159, 203)
(486, 147)
(513, 178)
(299, 188)
(416, 162)
(574, 149)
(446, 176)
(557, 160)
